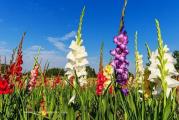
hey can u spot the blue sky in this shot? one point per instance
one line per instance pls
(51, 25)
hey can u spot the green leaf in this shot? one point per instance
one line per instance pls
(156, 111)
(167, 109)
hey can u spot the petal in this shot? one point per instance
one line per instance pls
(168, 92)
(72, 99)
(73, 45)
(69, 66)
(81, 73)
(140, 91)
(71, 56)
(171, 82)
(82, 62)
(82, 81)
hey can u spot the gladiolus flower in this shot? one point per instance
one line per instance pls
(33, 79)
(104, 80)
(119, 62)
(155, 72)
(100, 83)
(111, 89)
(43, 107)
(72, 99)
(56, 81)
(76, 66)
(139, 68)
(108, 71)
(77, 63)
(6, 87)
(16, 67)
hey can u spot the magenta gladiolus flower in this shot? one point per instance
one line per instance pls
(119, 62)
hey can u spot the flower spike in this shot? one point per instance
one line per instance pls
(77, 57)
(162, 68)
(78, 38)
(119, 62)
(148, 50)
(101, 58)
(121, 26)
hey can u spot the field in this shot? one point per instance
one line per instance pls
(152, 93)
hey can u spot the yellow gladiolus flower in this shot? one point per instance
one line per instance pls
(108, 71)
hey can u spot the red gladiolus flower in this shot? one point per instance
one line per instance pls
(45, 81)
(16, 67)
(100, 83)
(111, 89)
(5, 87)
(43, 107)
(56, 81)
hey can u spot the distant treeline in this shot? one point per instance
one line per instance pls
(60, 71)
(53, 71)
(91, 71)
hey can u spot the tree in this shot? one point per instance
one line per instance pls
(176, 56)
(91, 72)
(55, 71)
(3, 68)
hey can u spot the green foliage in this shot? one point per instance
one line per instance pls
(91, 72)
(23, 105)
(55, 72)
(4, 68)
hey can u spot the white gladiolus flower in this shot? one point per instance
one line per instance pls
(72, 99)
(76, 66)
(155, 72)
(139, 67)
(139, 63)
(82, 81)
(77, 62)
(139, 72)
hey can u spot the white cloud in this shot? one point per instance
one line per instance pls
(3, 43)
(68, 36)
(36, 48)
(5, 52)
(52, 56)
(5, 55)
(58, 42)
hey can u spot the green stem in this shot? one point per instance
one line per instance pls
(115, 107)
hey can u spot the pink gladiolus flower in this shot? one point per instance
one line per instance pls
(34, 74)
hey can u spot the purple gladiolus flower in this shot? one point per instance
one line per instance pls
(125, 91)
(119, 62)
